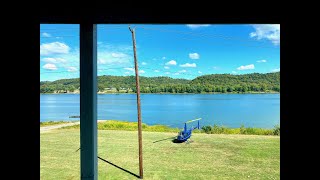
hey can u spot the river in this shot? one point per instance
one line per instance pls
(231, 110)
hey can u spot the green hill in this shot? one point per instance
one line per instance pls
(254, 82)
(220, 83)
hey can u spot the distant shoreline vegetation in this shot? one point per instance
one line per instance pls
(133, 126)
(268, 92)
(206, 84)
(51, 123)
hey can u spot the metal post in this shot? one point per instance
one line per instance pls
(138, 103)
(88, 101)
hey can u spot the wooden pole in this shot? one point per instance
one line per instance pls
(138, 103)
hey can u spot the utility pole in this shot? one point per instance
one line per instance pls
(138, 103)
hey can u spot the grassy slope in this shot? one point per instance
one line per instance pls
(210, 156)
(51, 123)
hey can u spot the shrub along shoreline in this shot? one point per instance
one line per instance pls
(51, 123)
(133, 126)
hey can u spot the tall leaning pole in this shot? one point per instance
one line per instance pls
(138, 102)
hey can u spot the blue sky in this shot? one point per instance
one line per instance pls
(177, 51)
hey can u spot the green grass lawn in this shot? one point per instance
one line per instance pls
(209, 156)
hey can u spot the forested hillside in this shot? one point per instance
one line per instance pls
(221, 83)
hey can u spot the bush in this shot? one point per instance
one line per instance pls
(276, 130)
(218, 129)
(255, 131)
(50, 123)
(242, 129)
(215, 129)
(206, 129)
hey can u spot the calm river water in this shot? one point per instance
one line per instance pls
(232, 110)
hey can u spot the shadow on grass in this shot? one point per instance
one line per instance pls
(164, 139)
(176, 141)
(119, 167)
(186, 142)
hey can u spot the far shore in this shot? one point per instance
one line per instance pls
(181, 93)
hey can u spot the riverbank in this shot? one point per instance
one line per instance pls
(51, 123)
(211, 129)
(59, 125)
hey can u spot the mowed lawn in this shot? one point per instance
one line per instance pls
(209, 156)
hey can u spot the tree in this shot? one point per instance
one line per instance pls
(223, 89)
(100, 88)
(229, 89)
(71, 88)
(118, 88)
(206, 83)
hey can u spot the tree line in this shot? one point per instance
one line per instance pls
(214, 83)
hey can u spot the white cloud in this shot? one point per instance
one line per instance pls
(114, 59)
(267, 31)
(54, 60)
(176, 73)
(199, 72)
(63, 60)
(263, 60)
(195, 26)
(246, 67)
(102, 61)
(144, 63)
(46, 34)
(234, 72)
(194, 56)
(54, 48)
(188, 65)
(182, 71)
(156, 70)
(166, 67)
(163, 57)
(107, 62)
(118, 55)
(129, 69)
(215, 67)
(119, 48)
(171, 63)
(127, 72)
(141, 71)
(167, 72)
(72, 69)
(50, 67)
(276, 70)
